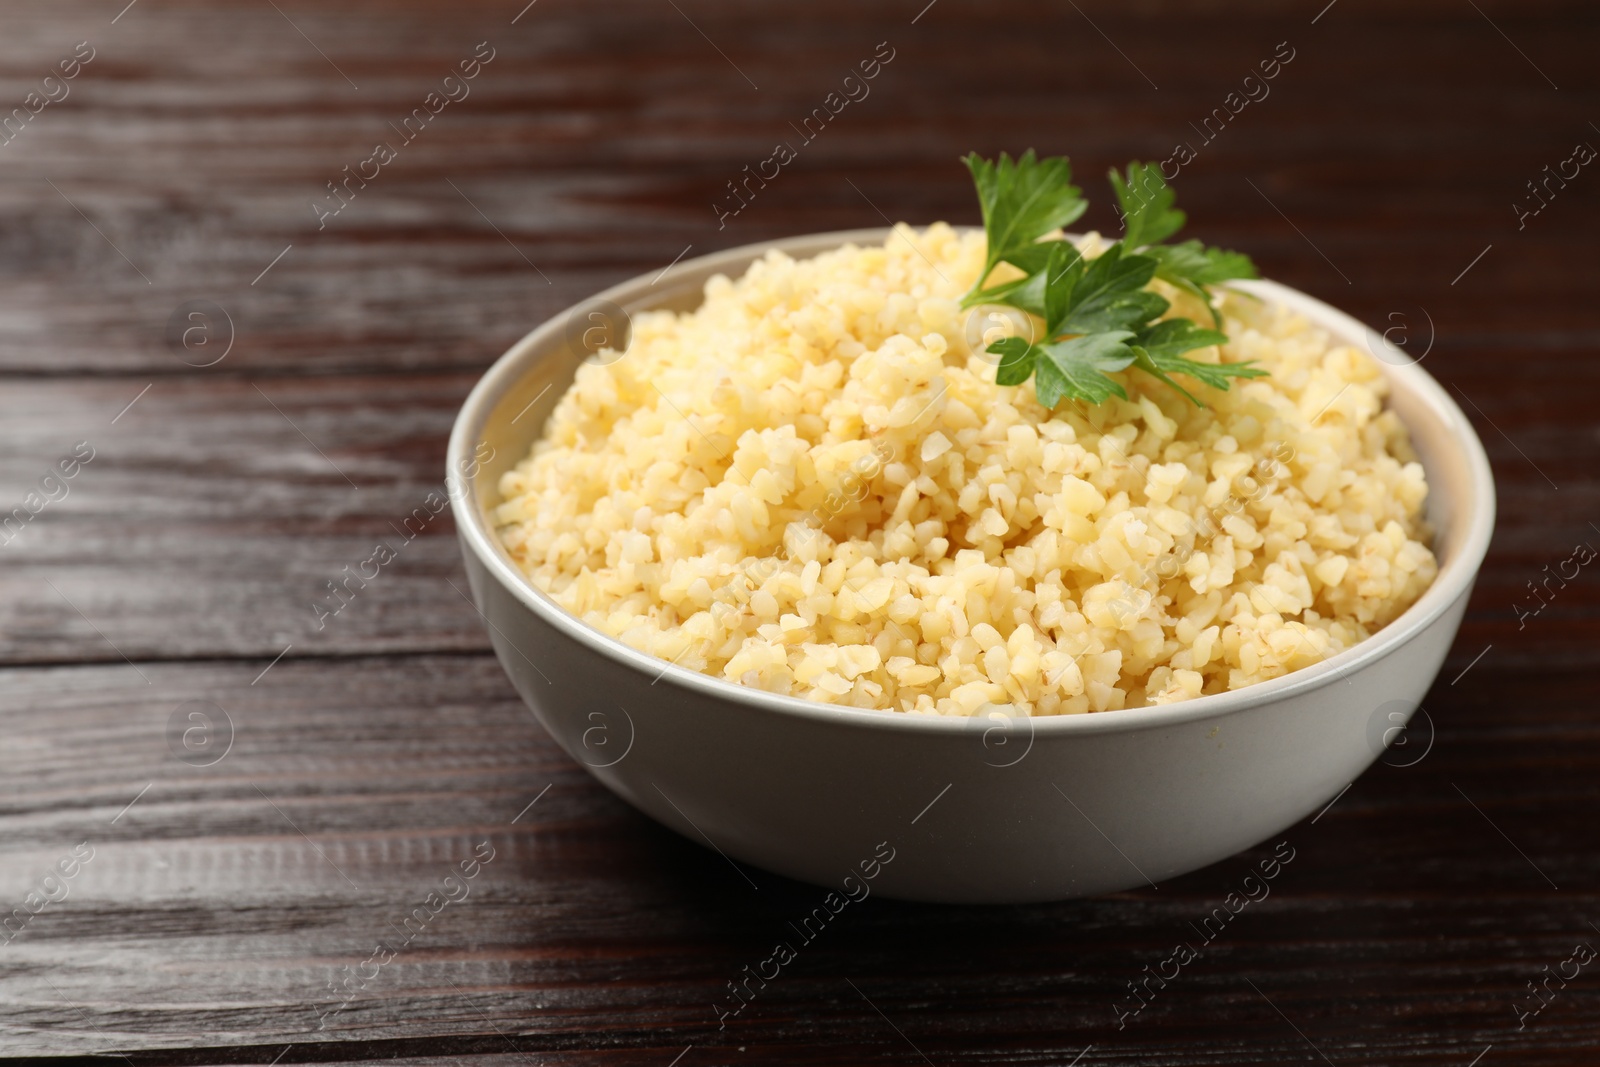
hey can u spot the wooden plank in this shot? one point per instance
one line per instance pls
(227, 125)
(214, 512)
(218, 905)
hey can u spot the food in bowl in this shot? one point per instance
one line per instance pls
(833, 481)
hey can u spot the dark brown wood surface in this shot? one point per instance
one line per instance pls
(370, 757)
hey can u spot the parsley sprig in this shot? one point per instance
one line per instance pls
(1099, 317)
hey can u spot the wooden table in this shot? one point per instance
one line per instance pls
(227, 869)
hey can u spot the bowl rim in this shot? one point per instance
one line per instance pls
(1453, 581)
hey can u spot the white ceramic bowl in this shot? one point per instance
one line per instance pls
(976, 810)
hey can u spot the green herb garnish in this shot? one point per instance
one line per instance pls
(1099, 317)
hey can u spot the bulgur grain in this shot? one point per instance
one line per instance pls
(812, 485)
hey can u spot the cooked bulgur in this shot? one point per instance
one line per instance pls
(813, 486)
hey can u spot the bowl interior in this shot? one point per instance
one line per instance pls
(536, 372)
(509, 407)
(1460, 504)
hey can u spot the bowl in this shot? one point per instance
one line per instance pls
(950, 810)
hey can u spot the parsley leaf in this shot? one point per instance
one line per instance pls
(1170, 338)
(1022, 201)
(1060, 265)
(1149, 218)
(1146, 201)
(1077, 367)
(1099, 316)
(1191, 266)
(1194, 262)
(1052, 288)
(1017, 356)
(1159, 351)
(1110, 295)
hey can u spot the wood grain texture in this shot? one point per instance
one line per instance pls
(219, 904)
(215, 511)
(385, 745)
